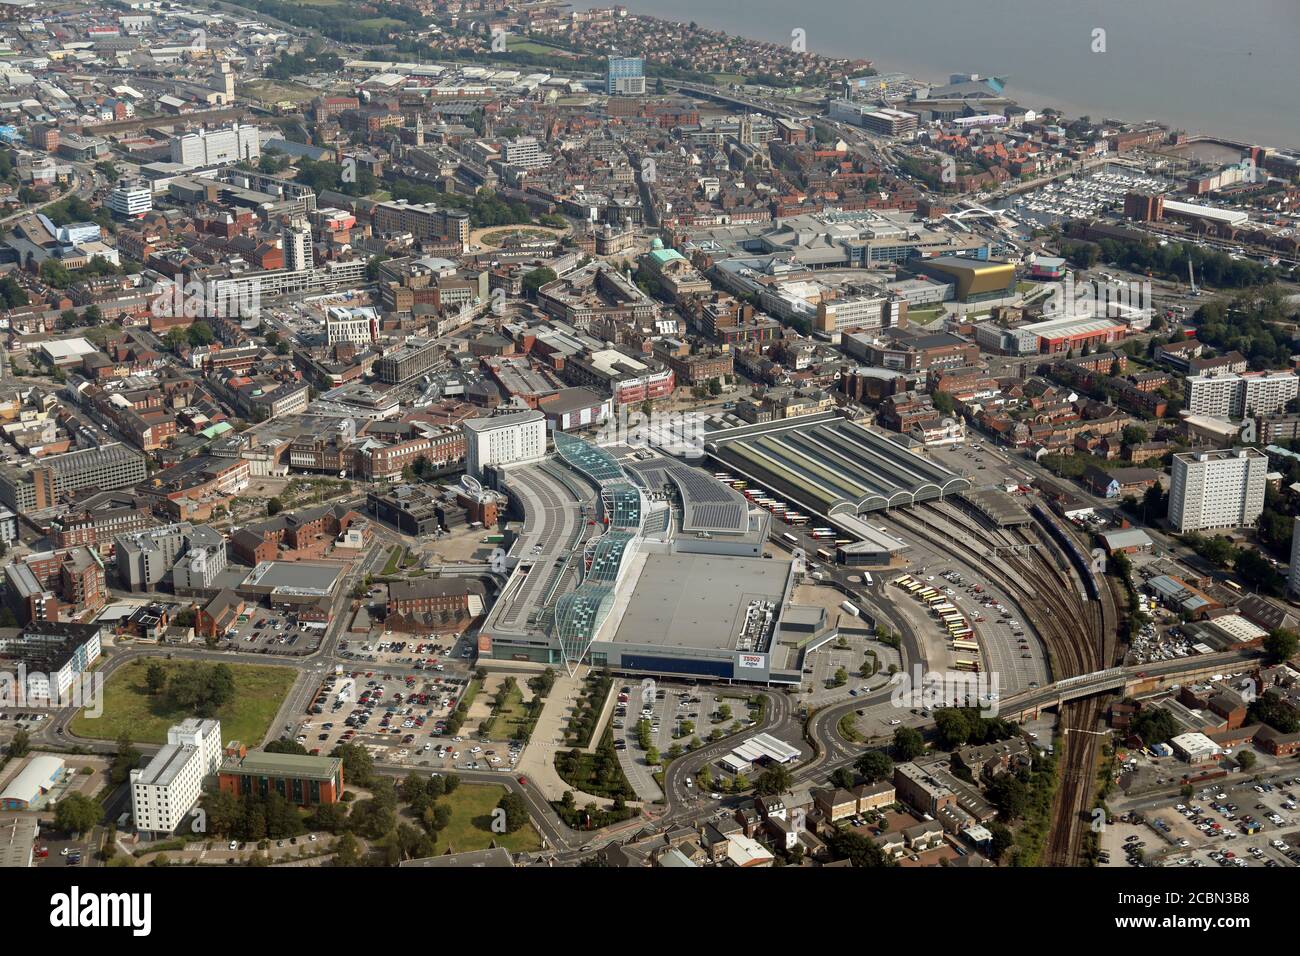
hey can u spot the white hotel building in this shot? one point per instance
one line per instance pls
(168, 787)
(504, 440)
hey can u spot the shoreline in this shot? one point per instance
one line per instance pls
(1022, 95)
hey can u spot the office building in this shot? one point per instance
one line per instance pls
(523, 152)
(625, 76)
(166, 789)
(504, 440)
(414, 358)
(302, 780)
(216, 147)
(359, 325)
(49, 480)
(421, 220)
(130, 198)
(1217, 489)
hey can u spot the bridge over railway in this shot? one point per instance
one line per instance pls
(1131, 680)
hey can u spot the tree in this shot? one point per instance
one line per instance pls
(125, 760)
(1002, 840)
(516, 811)
(842, 778)
(1246, 759)
(1010, 795)
(1154, 725)
(874, 766)
(274, 507)
(347, 852)
(77, 813)
(953, 725)
(537, 278)
(358, 764)
(1281, 644)
(19, 744)
(857, 849)
(908, 744)
(775, 779)
(155, 678)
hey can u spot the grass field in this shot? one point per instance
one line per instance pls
(129, 707)
(922, 316)
(534, 46)
(471, 822)
(394, 560)
(380, 23)
(269, 91)
(513, 715)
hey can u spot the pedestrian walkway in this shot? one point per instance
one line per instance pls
(538, 760)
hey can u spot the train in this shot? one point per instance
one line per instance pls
(1078, 557)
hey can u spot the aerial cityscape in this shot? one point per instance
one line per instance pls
(516, 435)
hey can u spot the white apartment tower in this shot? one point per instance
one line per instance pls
(1217, 489)
(165, 790)
(1234, 396)
(504, 440)
(298, 252)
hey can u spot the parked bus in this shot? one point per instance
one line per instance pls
(850, 608)
(825, 555)
(903, 581)
(964, 635)
(965, 646)
(841, 542)
(866, 576)
(791, 538)
(972, 667)
(821, 534)
(1233, 584)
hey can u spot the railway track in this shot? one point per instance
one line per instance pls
(1077, 633)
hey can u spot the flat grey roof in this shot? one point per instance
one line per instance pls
(999, 506)
(295, 575)
(165, 765)
(698, 600)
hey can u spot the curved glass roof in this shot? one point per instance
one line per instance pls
(594, 462)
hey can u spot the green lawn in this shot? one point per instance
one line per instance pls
(128, 707)
(394, 560)
(510, 717)
(471, 822)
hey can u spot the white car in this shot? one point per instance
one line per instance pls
(476, 750)
(893, 721)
